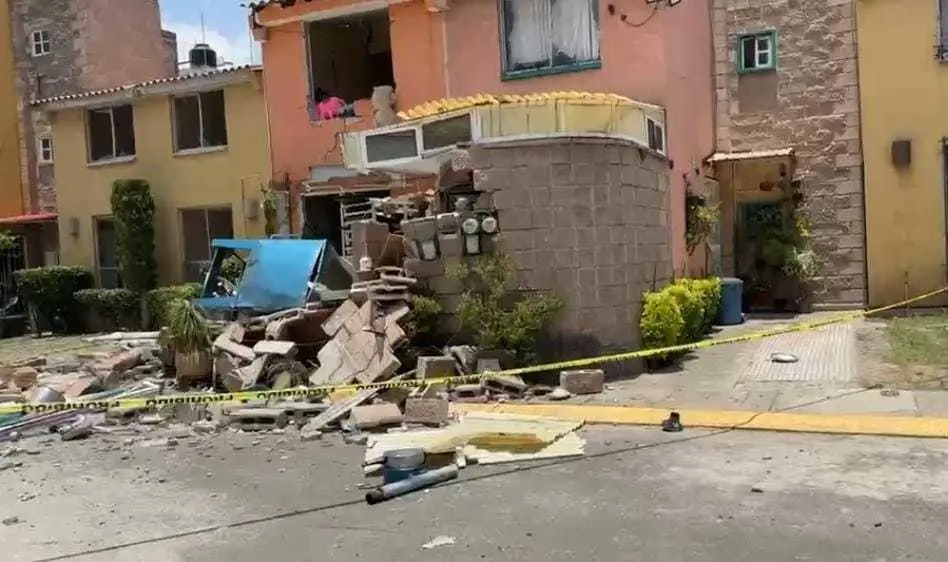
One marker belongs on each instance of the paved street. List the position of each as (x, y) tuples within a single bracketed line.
[(641, 495)]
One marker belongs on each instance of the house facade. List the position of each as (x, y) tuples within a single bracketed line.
[(199, 140), (429, 50), (58, 48), (788, 127), (905, 145)]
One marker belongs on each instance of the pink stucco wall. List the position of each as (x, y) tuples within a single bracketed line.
[(667, 61)]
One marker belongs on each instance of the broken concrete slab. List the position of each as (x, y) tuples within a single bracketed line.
[(508, 384), (275, 347), (376, 415), (583, 381), (224, 343)]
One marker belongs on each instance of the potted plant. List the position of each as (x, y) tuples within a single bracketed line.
[(189, 338)]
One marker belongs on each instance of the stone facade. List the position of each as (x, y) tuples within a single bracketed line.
[(93, 44), (585, 218), (809, 102)]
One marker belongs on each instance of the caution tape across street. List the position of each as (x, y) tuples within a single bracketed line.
[(325, 390)]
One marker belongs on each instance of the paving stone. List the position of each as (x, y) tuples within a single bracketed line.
[(824, 355), (376, 415), (429, 411)]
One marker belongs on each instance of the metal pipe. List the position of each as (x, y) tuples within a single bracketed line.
[(402, 487)]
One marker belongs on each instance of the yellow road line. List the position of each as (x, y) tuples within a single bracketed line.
[(845, 424)]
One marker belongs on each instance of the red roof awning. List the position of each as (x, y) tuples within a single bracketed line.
[(24, 219)]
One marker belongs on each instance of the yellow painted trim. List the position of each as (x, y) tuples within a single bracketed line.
[(849, 424)]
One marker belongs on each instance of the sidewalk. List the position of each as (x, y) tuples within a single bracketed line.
[(742, 377)]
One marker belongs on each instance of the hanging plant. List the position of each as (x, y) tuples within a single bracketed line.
[(700, 219)]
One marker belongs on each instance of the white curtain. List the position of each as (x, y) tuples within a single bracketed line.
[(575, 31), (529, 41)]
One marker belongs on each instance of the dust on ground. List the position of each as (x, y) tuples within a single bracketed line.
[(905, 352)]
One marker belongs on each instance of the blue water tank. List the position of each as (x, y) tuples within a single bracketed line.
[(731, 292)]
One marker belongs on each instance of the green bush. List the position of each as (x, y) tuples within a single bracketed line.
[(497, 316), (662, 322), (158, 301), (683, 312), (232, 269), (422, 321), (133, 210), (49, 293), (110, 309)]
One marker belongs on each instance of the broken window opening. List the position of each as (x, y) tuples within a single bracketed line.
[(111, 133), (200, 121), (348, 58), (199, 228)]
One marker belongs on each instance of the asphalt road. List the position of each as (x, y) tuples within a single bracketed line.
[(640, 495)]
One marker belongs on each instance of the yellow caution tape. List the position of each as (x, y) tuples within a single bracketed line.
[(325, 390)]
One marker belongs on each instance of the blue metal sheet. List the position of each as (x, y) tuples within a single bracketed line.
[(236, 244), (277, 274)]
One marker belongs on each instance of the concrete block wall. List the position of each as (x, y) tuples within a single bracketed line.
[(588, 219)]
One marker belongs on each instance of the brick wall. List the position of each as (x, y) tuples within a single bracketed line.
[(811, 102), (585, 218)]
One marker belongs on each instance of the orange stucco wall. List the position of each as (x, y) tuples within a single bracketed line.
[(666, 61)]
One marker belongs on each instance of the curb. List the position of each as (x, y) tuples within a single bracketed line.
[(841, 424)]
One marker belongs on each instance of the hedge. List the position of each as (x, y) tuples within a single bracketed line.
[(681, 313), (157, 301), (49, 294), (110, 309)]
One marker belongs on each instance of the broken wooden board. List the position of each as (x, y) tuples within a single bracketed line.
[(569, 445), (483, 430)]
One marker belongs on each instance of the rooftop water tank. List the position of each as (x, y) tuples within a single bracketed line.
[(202, 56)]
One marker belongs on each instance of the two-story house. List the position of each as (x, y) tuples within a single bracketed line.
[(788, 137), (658, 53), (199, 139), (52, 49), (905, 145)]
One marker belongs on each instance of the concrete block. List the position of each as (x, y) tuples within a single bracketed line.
[(338, 318), (428, 411), (25, 377), (258, 419), (424, 269), (585, 381), (435, 367), (487, 365), (468, 391), (376, 415), (512, 385)]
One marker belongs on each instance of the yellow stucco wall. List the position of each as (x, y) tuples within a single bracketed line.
[(904, 95), (10, 193), (209, 179)]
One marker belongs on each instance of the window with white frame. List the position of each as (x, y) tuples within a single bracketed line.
[(757, 51), (553, 35), (44, 149), (42, 45), (111, 133), (656, 135), (200, 121)]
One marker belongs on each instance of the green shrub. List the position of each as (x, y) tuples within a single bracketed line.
[(497, 316), (682, 312), (133, 210), (49, 293), (422, 321), (232, 269), (188, 332), (111, 309), (691, 305), (662, 322), (158, 301), (709, 290)]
